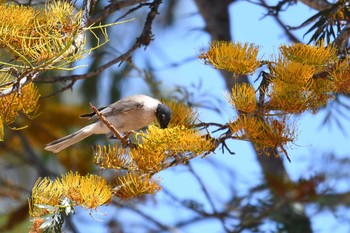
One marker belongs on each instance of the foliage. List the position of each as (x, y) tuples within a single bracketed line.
[(234, 57), (51, 199), (329, 22), (12, 105), (289, 86), (302, 78), (134, 184), (35, 37), (33, 40)]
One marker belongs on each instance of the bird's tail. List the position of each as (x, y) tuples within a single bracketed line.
[(62, 143)]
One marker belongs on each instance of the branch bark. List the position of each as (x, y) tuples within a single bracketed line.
[(318, 5), (113, 7)]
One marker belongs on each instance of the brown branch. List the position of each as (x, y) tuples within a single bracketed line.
[(274, 12), (149, 218), (110, 126), (134, 9), (144, 39), (319, 5), (341, 42), (221, 140), (69, 86), (146, 36), (205, 125), (113, 7), (205, 191), (99, 70)]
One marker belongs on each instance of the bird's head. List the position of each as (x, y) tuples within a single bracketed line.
[(163, 114)]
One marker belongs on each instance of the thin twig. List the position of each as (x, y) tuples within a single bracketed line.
[(69, 86), (144, 39), (112, 8), (109, 125), (149, 218)]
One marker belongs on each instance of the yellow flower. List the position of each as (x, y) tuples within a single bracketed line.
[(44, 192), (293, 73), (237, 58), (89, 191), (38, 35), (134, 184), (149, 160), (309, 54), (290, 90), (113, 157), (341, 77), (288, 98), (94, 191), (12, 104), (70, 184), (157, 145), (243, 98), (320, 93), (270, 133), (182, 115)]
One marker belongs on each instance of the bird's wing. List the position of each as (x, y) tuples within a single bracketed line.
[(120, 107), (91, 114)]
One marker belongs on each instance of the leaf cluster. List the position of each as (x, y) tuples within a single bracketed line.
[(89, 191), (237, 58), (302, 78), (33, 40), (51, 199), (37, 37), (264, 133), (14, 104), (329, 22)]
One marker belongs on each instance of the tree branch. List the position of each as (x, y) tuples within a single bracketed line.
[(275, 15), (149, 218), (144, 39), (109, 125), (318, 5), (113, 7), (342, 40)]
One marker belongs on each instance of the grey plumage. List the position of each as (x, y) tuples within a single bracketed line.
[(128, 114)]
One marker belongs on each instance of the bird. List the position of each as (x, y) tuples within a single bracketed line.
[(126, 115)]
